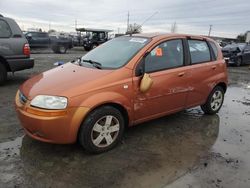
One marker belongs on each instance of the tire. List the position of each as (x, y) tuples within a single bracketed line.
[(211, 106), (102, 130), (87, 48), (3, 74), (62, 49), (239, 62), (94, 46)]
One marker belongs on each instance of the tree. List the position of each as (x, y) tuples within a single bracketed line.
[(51, 31), (134, 28), (241, 38)]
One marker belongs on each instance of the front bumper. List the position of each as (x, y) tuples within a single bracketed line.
[(20, 64), (60, 126)]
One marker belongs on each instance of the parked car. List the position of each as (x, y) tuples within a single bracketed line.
[(237, 54), (14, 49), (126, 81), (93, 37), (38, 39), (58, 42)]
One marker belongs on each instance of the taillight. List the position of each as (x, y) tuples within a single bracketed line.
[(26, 49)]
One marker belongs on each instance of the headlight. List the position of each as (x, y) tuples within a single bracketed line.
[(49, 102)]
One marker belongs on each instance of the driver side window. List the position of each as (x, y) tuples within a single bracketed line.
[(166, 55)]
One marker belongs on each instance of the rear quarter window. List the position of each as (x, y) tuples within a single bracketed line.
[(199, 51), (5, 31), (215, 49)]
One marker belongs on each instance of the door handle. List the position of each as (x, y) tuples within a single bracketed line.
[(213, 67), (181, 74)]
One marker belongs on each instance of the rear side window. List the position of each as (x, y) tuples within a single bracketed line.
[(5, 31), (215, 49), (199, 51), (42, 35)]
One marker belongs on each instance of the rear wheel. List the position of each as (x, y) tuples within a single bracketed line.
[(239, 62), (3, 74), (214, 101), (102, 130)]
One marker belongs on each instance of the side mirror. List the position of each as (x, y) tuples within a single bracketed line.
[(146, 83), (29, 36)]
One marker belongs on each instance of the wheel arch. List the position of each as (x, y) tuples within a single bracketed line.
[(5, 63), (223, 85), (118, 106)]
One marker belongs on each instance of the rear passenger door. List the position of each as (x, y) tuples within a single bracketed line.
[(203, 70), (11, 39), (5, 34)]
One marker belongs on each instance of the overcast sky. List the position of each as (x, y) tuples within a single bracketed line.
[(227, 17)]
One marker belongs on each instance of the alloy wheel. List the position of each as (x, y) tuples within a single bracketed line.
[(216, 100), (105, 131)]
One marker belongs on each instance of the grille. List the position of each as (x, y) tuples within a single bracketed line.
[(22, 98)]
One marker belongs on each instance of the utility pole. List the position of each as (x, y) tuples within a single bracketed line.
[(75, 23), (210, 29), (173, 27), (128, 22)]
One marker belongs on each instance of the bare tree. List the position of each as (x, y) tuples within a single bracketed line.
[(134, 28)]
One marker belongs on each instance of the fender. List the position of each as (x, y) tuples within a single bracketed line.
[(91, 102), (99, 99)]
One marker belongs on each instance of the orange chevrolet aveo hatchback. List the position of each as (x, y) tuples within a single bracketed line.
[(126, 81)]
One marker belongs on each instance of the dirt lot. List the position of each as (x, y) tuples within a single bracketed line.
[(187, 149)]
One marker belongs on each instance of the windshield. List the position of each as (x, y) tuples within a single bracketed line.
[(116, 52)]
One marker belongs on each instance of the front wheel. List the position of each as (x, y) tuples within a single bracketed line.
[(62, 49), (214, 101), (94, 46), (102, 130)]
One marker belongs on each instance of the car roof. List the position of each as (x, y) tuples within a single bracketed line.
[(36, 32), (93, 30), (168, 35)]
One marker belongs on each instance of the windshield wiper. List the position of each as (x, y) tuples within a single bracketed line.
[(94, 63)]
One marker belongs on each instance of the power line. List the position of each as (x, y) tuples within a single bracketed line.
[(149, 18)]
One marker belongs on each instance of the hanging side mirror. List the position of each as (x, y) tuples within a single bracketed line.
[(146, 83)]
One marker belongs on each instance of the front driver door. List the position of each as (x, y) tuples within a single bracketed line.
[(165, 65)]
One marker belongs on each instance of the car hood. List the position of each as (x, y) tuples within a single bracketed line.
[(62, 80), (232, 49)]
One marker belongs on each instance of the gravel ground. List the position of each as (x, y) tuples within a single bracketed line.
[(187, 149)]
